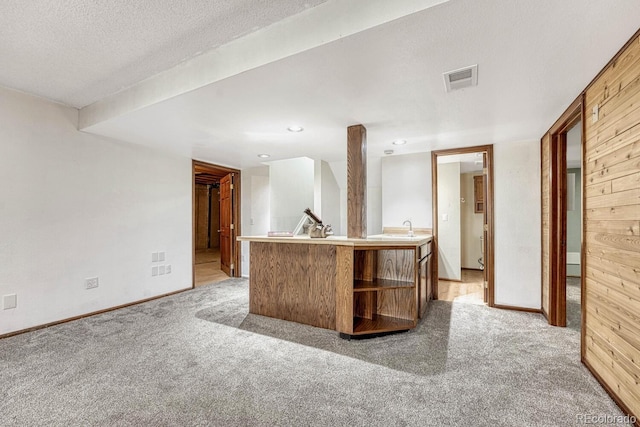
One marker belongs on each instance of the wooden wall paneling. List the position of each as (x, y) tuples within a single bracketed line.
[(614, 76), (615, 119), (626, 383), (598, 189), (356, 182), (620, 340), (602, 371), (621, 292), (611, 322), (344, 289), (614, 241), (629, 227), (629, 181), (597, 150), (629, 148), (202, 216)]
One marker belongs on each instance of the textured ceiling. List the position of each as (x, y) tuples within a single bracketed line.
[(534, 58), (363, 62), (77, 52)]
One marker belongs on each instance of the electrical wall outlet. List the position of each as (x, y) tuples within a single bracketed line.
[(91, 283), (154, 271), (9, 301), (167, 269)]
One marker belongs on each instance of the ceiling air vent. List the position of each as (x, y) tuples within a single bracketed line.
[(461, 78)]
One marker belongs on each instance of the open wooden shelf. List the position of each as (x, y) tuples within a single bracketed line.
[(379, 323), (380, 284)]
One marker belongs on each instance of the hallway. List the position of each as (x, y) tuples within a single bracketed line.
[(207, 267), (469, 291)]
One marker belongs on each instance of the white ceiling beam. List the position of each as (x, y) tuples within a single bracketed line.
[(315, 27)]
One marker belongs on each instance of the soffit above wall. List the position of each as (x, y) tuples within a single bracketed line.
[(77, 52)]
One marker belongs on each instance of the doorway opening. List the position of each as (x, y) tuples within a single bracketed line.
[(462, 188), (216, 210), (562, 150), (574, 226)]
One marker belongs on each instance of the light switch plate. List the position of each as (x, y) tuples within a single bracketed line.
[(9, 301), (154, 257), (160, 256), (154, 271), (161, 270)]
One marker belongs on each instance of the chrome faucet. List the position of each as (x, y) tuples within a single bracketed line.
[(410, 227)]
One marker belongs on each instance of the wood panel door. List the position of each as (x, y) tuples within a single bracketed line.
[(226, 224)]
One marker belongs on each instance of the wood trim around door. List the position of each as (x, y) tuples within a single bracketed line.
[(199, 166), (557, 315), (489, 206)]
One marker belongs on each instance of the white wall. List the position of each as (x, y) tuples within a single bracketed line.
[(470, 222), (517, 217), (374, 196), (291, 185), (517, 224), (449, 240), (406, 190), (75, 206), (255, 216), (327, 196)]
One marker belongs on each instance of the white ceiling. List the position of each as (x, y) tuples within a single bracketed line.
[(470, 162), (91, 49), (534, 58)]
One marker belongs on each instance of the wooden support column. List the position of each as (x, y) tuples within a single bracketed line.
[(357, 182)]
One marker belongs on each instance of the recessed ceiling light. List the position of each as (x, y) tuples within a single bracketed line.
[(387, 152), (399, 142), (264, 156), (295, 128)]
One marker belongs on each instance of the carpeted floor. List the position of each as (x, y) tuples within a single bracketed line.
[(199, 359), (573, 303)]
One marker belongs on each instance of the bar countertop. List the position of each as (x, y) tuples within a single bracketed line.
[(374, 240)]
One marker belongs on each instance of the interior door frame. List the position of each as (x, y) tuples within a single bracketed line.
[(488, 205), (197, 165), (557, 315)]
